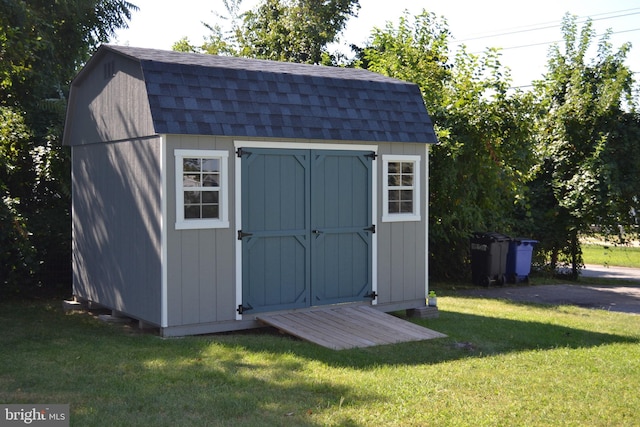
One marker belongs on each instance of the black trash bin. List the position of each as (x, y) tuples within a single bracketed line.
[(489, 258)]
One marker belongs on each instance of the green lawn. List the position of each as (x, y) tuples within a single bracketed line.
[(503, 364), (614, 255)]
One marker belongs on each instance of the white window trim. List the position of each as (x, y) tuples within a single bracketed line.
[(192, 224), (398, 217)]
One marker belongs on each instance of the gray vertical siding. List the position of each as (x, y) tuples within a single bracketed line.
[(200, 263), (402, 245), (117, 236), (117, 226), (108, 104)]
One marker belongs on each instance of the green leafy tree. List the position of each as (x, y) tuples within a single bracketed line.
[(17, 255), (588, 172), (415, 50), (295, 30), (42, 45), (484, 130), (281, 30)]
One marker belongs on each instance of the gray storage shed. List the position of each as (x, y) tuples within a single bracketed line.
[(209, 189)]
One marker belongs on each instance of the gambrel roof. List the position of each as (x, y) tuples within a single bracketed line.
[(200, 94)]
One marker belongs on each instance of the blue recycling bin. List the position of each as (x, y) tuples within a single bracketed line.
[(519, 259)]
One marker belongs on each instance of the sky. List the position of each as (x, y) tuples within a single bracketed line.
[(523, 30)]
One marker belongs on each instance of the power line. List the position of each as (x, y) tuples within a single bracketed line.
[(559, 41), (551, 24)]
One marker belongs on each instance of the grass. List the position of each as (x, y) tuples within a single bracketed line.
[(503, 364), (614, 255)]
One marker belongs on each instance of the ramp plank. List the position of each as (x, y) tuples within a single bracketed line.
[(343, 327)]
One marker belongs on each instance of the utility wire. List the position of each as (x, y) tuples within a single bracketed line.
[(548, 25), (559, 41)]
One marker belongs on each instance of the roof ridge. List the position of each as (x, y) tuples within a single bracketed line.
[(250, 64)]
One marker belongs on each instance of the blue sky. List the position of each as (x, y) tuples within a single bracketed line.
[(523, 30)]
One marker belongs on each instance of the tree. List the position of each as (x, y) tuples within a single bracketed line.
[(295, 30), (416, 51), (588, 172), (16, 248), (281, 30), (42, 45), (484, 130)]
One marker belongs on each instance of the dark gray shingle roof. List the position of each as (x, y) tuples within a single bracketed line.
[(217, 95)]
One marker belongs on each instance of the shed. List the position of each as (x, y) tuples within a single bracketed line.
[(209, 189)]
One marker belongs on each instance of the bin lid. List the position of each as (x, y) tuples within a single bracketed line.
[(490, 235), (524, 241)]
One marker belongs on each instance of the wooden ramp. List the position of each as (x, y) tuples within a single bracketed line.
[(342, 327)]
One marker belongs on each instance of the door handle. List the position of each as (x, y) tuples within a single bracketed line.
[(316, 232)]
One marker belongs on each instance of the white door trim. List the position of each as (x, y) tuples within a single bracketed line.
[(303, 146)]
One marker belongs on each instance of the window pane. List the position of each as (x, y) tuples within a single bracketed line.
[(393, 167), (191, 211), (394, 195), (191, 180), (210, 211), (191, 197), (406, 195), (407, 180), (211, 180), (406, 207), (191, 165), (210, 165), (407, 167), (394, 207), (393, 180), (210, 197)]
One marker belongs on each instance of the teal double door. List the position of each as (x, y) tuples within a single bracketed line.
[(306, 228)]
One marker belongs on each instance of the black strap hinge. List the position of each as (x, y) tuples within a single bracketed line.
[(373, 295), (241, 152), (373, 155), (371, 229), (242, 308), (241, 234)]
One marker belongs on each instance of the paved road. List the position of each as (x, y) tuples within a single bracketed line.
[(623, 298), (611, 272)]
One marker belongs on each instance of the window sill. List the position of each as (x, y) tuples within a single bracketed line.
[(198, 224), (401, 218)]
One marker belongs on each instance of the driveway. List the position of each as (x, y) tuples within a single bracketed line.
[(611, 272), (623, 298)]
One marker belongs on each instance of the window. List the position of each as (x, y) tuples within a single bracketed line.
[(201, 189), (401, 188)]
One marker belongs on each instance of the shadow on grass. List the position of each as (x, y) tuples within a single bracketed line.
[(111, 377), (468, 336)]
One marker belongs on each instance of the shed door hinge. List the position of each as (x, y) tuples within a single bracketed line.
[(241, 234), (242, 308), (373, 295), (373, 155), (371, 229), (241, 152)]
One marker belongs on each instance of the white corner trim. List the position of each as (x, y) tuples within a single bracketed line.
[(426, 225), (164, 310)]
